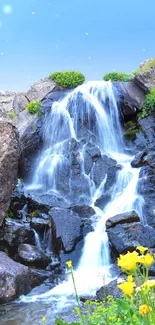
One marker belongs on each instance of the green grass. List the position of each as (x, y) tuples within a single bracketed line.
[(118, 76), (148, 66), (68, 79), (12, 114)]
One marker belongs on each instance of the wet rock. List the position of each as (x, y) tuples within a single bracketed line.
[(110, 289), (130, 98), (80, 190), (8, 164), (138, 160), (38, 223), (85, 212), (14, 279), (148, 127), (105, 166), (103, 200), (126, 217), (126, 237), (14, 233), (66, 227), (39, 276), (32, 256), (146, 80), (88, 163)]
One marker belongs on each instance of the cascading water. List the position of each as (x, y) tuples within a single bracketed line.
[(91, 109)]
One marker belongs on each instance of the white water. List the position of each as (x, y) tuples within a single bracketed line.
[(98, 110), (37, 239)]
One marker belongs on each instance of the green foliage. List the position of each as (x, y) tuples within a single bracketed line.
[(130, 124), (149, 104), (12, 114), (131, 134), (9, 214), (68, 79), (34, 214), (118, 76), (34, 108)]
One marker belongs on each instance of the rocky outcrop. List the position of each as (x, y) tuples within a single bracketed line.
[(41, 89), (130, 98), (6, 102), (32, 256), (146, 80), (126, 217), (8, 164), (14, 279), (127, 236)]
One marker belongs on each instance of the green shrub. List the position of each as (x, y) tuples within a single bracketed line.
[(118, 76), (149, 104), (12, 114), (34, 108), (68, 79)]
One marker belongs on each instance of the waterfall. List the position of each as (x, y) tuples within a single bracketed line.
[(90, 108), (37, 239)]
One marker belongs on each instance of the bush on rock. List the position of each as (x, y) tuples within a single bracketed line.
[(34, 108), (118, 76), (149, 104), (68, 79)]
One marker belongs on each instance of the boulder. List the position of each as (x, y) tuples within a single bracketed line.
[(138, 159), (146, 80), (14, 233), (105, 166), (14, 279), (110, 289), (32, 256), (66, 226), (126, 217), (130, 98), (41, 89), (8, 164), (127, 236)]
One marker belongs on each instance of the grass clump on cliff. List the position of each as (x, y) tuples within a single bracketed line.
[(147, 66), (12, 114), (68, 79), (118, 76), (34, 108), (149, 104)]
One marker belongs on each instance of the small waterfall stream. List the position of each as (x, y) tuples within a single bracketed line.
[(99, 111)]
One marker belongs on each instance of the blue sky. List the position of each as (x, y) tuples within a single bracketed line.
[(38, 37)]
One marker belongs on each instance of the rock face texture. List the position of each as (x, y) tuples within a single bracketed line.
[(146, 80), (14, 279), (8, 164), (6, 102), (41, 89)]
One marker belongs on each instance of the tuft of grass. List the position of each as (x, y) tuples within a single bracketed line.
[(118, 76), (149, 104), (34, 108), (147, 66), (68, 79), (12, 114)]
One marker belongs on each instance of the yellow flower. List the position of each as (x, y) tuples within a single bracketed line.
[(142, 249), (147, 260), (144, 310), (127, 288), (69, 264), (130, 278), (43, 319), (128, 261)]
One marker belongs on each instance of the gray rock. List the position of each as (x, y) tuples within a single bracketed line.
[(146, 80), (131, 98), (6, 102), (110, 289), (41, 89), (9, 155), (104, 166), (32, 256), (14, 233), (138, 159), (126, 237), (66, 226), (126, 217), (14, 279), (19, 103)]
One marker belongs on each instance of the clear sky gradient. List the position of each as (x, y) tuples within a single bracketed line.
[(38, 37)]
